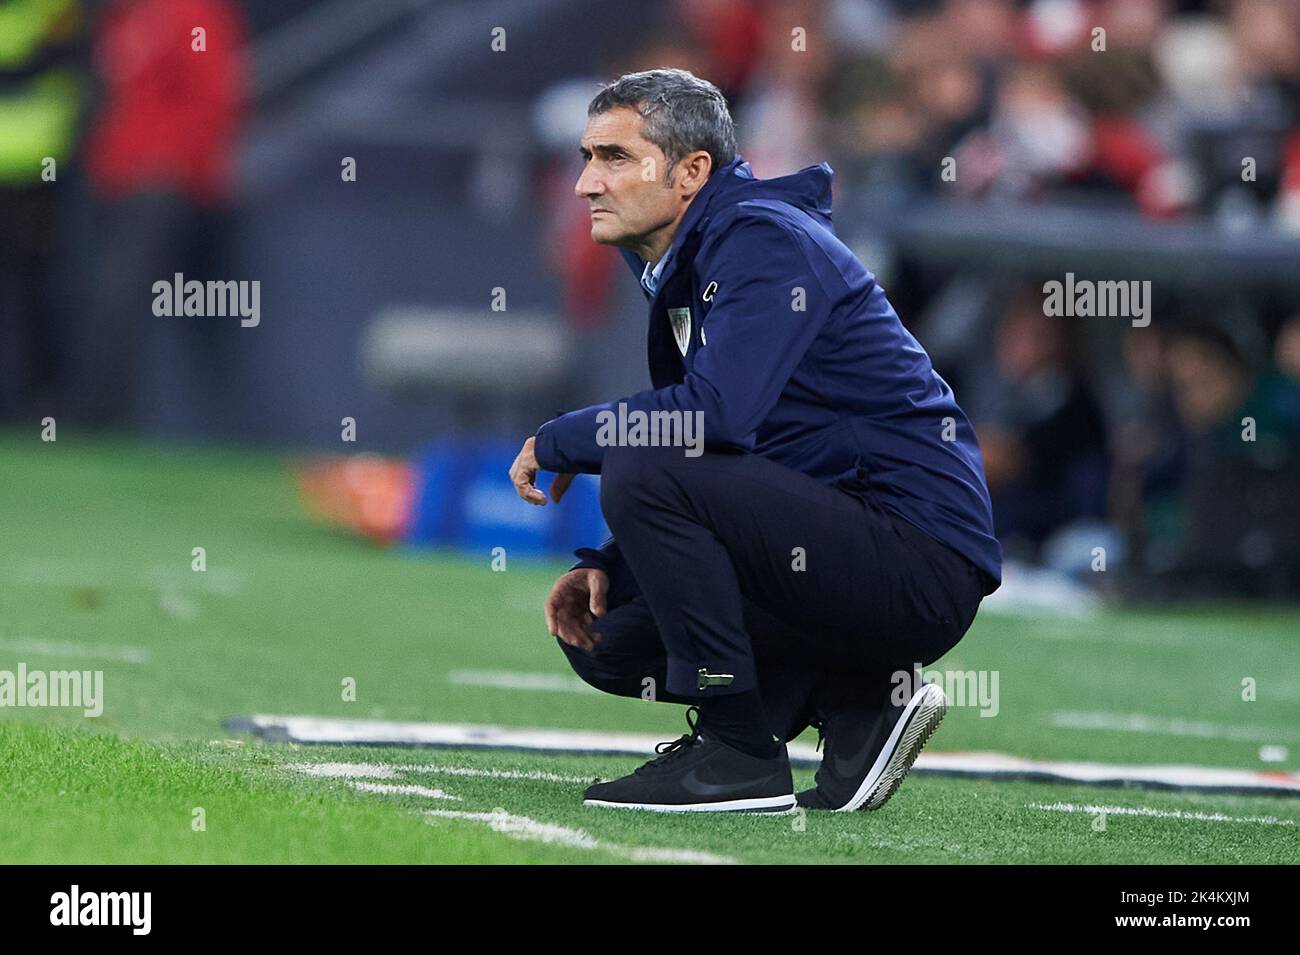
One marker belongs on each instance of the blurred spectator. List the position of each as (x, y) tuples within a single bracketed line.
[(1148, 440), (1287, 349), (778, 118), (730, 34), (1239, 532), (41, 92), (1040, 430), (1038, 138), (159, 155)]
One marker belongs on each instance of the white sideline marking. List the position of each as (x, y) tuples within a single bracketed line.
[(518, 680), (1190, 778), (384, 771), (345, 770), (381, 771), (1159, 813), (67, 648), (500, 773), (1033, 592), (530, 830), (177, 606), (1273, 754), (389, 789), (309, 729), (509, 824), (1164, 726)]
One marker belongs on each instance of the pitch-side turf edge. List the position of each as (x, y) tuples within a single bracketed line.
[(350, 732)]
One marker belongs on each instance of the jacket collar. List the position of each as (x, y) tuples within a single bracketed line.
[(690, 221)]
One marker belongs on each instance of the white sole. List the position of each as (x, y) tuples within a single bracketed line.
[(771, 804), (922, 715)]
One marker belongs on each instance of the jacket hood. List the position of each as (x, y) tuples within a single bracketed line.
[(808, 189)]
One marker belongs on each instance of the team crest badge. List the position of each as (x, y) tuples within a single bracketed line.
[(680, 318)]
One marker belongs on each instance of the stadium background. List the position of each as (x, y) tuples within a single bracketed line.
[(1173, 156)]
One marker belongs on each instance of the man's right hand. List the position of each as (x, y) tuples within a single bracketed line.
[(575, 601)]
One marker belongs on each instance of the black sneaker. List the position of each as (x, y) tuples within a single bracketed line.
[(870, 746), (695, 774)]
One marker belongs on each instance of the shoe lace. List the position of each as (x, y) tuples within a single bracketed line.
[(820, 725), (671, 749)]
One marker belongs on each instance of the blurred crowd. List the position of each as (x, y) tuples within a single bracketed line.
[(1146, 104), (119, 129), (1180, 464), (1174, 447), (1133, 449)]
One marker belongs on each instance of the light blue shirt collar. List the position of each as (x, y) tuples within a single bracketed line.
[(650, 277)]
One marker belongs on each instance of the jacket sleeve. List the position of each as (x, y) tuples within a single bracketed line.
[(768, 307), (604, 557)]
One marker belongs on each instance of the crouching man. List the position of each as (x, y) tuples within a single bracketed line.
[(836, 527)]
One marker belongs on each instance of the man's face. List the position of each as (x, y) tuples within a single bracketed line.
[(623, 180)]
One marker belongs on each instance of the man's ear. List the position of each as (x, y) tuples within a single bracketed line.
[(695, 169)]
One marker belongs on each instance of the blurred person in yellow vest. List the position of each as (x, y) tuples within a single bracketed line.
[(41, 99)]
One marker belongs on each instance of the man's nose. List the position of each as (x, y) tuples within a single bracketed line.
[(588, 184)]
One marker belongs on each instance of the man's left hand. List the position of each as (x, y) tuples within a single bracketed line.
[(523, 474)]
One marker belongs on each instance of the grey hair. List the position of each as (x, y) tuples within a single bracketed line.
[(682, 113)]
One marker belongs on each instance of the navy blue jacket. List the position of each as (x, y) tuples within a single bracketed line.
[(794, 353)]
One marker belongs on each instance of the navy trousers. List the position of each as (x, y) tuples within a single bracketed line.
[(737, 565)]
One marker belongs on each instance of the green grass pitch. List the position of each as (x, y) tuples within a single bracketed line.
[(96, 574)]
